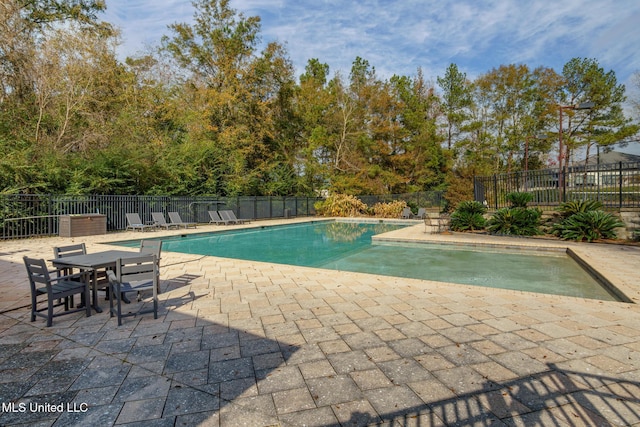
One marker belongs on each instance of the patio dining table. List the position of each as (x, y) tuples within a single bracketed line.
[(94, 262)]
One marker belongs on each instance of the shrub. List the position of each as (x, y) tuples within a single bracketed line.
[(471, 206), (342, 205), (572, 207), (389, 209), (519, 200), (468, 216), (589, 225), (516, 221), (467, 221)]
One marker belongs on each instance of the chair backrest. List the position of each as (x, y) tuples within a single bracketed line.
[(70, 250), (175, 218), (158, 217), (151, 247), (433, 211), (37, 271), (215, 216), (142, 268), (421, 212), (231, 214), (133, 219), (406, 213), (225, 215)]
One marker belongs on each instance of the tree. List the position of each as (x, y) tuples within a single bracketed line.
[(456, 101), (605, 123), (240, 97), (636, 100), (23, 24), (312, 104), (419, 158), (513, 105), (70, 71), (220, 45), (27, 101)]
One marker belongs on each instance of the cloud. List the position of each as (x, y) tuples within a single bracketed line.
[(397, 37), (143, 23)]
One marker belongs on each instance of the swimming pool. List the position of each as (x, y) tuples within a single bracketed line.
[(347, 246)]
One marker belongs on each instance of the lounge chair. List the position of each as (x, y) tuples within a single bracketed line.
[(135, 223), (230, 216), (422, 213), (160, 221), (406, 213), (215, 218), (175, 219)]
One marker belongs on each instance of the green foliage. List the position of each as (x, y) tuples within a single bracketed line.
[(515, 221), (467, 221), (457, 98), (589, 225), (389, 209), (218, 112), (468, 216), (459, 185), (573, 207), (605, 123), (472, 207), (342, 205), (519, 200)]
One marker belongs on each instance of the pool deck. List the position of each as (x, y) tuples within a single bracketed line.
[(257, 344)]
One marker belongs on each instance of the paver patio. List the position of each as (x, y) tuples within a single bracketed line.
[(241, 343)]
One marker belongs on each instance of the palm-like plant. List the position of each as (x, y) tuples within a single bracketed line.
[(572, 207), (519, 200), (468, 216), (589, 226), (467, 221), (515, 221)]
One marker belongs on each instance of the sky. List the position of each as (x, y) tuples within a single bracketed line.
[(401, 36)]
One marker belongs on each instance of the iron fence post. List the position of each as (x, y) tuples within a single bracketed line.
[(51, 229), (495, 190), (620, 185)]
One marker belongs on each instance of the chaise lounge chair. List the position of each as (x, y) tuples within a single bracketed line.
[(175, 219), (160, 221), (230, 216), (215, 218), (135, 223)]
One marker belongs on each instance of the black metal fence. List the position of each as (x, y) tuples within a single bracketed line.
[(24, 215), (422, 199), (615, 185)]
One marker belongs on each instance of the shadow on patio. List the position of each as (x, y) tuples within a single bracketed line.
[(555, 397)]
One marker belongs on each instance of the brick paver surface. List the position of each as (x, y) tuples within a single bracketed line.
[(241, 343)]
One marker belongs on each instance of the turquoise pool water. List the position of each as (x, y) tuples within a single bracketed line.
[(347, 246)]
